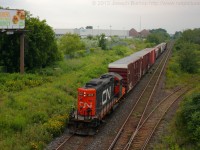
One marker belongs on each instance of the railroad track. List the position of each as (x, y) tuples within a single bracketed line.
[(140, 109), (140, 138), (71, 142), (59, 144)]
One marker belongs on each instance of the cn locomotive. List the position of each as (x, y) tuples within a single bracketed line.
[(99, 96)]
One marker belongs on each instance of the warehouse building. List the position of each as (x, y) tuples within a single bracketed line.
[(108, 32)]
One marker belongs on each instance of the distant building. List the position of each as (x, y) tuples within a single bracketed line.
[(133, 33), (108, 32), (61, 32), (93, 32), (144, 33)]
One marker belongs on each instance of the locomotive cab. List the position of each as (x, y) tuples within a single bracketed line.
[(119, 90)]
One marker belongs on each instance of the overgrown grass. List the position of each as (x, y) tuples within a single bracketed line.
[(16, 82), (175, 77), (34, 108)]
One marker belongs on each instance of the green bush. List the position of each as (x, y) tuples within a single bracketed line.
[(102, 42), (18, 123), (92, 50), (188, 58), (39, 117), (187, 47), (90, 43), (17, 82), (54, 127), (120, 50), (188, 121), (81, 53), (70, 43)]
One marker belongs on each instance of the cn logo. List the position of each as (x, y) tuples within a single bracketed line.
[(106, 95), (85, 105)]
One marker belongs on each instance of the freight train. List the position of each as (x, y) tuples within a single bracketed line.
[(99, 96)]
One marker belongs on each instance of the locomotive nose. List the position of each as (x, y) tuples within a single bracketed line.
[(86, 102)]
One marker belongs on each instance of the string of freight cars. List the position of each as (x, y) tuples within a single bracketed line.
[(99, 96)]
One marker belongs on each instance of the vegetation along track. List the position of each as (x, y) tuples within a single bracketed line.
[(141, 107)]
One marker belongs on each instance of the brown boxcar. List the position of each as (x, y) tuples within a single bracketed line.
[(132, 67), (152, 57), (159, 49), (129, 69)]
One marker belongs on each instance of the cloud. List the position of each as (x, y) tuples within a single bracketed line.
[(118, 13)]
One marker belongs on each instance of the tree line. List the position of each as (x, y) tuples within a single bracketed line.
[(158, 36), (187, 47), (185, 128)]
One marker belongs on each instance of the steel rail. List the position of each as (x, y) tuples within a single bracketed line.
[(155, 127), (157, 107), (138, 125), (63, 143)]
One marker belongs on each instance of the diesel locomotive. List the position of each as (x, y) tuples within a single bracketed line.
[(99, 96)]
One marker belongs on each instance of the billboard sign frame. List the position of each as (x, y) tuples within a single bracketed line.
[(12, 19)]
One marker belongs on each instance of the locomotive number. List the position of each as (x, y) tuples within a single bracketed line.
[(106, 95)]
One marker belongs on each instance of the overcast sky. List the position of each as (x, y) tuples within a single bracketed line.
[(172, 15)]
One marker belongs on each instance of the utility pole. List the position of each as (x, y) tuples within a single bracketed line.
[(140, 23), (110, 30), (22, 53), (140, 27)]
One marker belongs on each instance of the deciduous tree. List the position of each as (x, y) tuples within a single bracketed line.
[(188, 58), (102, 41), (70, 43), (188, 121), (157, 36), (41, 48), (188, 48)]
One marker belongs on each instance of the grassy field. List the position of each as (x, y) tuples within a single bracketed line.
[(34, 108)]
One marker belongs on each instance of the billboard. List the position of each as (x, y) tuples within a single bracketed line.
[(12, 19)]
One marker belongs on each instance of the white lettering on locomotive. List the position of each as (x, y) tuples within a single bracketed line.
[(106, 95), (85, 105)]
